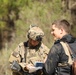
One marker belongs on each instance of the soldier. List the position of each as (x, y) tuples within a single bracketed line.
[(24, 57), (58, 62)]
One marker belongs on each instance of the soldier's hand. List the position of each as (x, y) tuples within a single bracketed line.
[(28, 67)]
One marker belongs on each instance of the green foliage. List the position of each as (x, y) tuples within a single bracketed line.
[(73, 32), (56, 6), (2, 25)]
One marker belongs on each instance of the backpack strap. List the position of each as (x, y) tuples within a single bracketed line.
[(68, 52)]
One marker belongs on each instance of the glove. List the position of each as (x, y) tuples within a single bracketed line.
[(15, 66)]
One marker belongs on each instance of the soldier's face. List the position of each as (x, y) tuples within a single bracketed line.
[(33, 42), (56, 32)]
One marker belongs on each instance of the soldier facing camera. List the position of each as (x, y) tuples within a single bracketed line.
[(27, 53)]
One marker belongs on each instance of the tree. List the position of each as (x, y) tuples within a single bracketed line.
[(9, 13)]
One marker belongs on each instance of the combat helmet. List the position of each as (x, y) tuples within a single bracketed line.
[(35, 33)]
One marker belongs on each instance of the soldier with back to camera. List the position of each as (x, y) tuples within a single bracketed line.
[(24, 57)]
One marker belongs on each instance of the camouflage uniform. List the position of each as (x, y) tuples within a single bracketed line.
[(24, 54)]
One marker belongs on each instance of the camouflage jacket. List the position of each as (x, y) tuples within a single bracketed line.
[(31, 55)]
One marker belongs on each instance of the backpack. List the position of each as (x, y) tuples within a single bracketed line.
[(72, 59)]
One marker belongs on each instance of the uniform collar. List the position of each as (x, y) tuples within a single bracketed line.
[(32, 47), (67, 38)]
